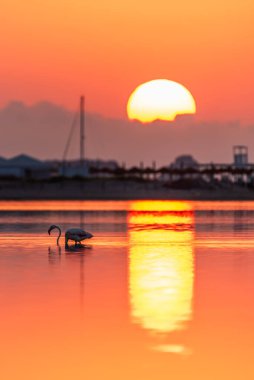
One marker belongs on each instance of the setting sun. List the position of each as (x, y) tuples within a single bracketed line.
[(160, 99)]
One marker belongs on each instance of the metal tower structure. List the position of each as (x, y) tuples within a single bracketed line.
[(82, 131), (240, 153)]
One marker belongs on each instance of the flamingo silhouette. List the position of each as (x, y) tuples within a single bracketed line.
[(75, 234)]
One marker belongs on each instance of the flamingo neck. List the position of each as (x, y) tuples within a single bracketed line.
[(60, 233)]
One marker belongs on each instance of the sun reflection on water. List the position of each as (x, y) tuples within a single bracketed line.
[(161, 265)]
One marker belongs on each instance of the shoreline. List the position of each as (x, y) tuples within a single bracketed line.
[(108, 189)]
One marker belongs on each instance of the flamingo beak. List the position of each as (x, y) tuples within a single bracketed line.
[(49, 230)]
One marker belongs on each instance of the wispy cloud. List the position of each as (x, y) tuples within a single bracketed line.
[(42, 131)]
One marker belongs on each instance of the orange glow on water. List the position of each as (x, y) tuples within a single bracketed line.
[(172, 294), (161, 268), (76, 205), (160, 206)]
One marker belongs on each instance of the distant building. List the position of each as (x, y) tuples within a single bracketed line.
[(103, 168), (3, 161), (184, 162), (71, 169), (103, 164), (24, 166)]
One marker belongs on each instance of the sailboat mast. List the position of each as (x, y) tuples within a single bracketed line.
[(82, 131)]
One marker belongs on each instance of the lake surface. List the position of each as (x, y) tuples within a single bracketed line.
[(164, 290)]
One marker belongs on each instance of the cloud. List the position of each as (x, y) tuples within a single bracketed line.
[(42, 130)]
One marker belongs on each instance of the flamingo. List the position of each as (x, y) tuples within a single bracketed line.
[(75, 234)]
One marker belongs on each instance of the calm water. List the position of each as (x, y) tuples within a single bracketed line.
[(164, 290)]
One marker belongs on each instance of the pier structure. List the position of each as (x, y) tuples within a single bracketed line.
[(209, 172)]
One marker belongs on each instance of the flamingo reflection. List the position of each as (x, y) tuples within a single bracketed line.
[(54, 254)]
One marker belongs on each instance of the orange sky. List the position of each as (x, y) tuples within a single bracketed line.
[(54, 50)]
